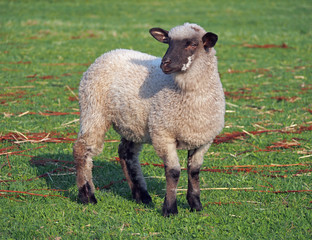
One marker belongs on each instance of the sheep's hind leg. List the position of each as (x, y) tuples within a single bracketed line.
[(129, 160), (84, 149), (195, 160)]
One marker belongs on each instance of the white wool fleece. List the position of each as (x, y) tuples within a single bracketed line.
[(143, 103), (186, 30)]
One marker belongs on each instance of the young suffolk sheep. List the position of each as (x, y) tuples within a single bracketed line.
[(179, 105)]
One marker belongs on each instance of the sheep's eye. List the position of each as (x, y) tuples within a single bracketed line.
[(188, 43), (191, 44)]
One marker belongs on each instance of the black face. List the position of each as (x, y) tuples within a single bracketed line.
[(181, 53)]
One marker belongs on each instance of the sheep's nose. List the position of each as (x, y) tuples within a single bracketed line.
[(166, 62)]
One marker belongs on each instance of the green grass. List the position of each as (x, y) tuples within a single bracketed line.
[(45, 46)]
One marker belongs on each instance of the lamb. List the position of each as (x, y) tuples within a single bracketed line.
[(179, 105)]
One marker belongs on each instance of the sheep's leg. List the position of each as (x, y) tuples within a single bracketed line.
[(172, 171), (195, 160), (84, 149), (170, 203), (129, 160)]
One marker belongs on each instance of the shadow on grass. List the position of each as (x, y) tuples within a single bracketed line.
[(60, 174)]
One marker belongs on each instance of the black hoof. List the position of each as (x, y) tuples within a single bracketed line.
[(85, 195), (194, 202), (169, 210), (141, 196)]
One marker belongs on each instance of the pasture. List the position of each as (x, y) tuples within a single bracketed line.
[(256, 179)]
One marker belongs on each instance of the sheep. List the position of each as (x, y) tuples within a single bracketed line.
[(179, 105)]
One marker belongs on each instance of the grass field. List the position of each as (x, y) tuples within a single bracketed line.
[(256, 179)]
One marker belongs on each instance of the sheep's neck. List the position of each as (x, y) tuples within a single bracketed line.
[(201, 77)]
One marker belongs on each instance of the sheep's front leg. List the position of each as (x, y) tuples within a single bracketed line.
[(172, 179), (195, 160), (129, 160), (172, 171)]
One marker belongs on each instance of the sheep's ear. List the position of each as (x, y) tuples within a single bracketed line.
[(160, 34), (209, 40)]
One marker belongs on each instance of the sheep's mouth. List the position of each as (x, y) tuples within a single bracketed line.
[(169, 70)]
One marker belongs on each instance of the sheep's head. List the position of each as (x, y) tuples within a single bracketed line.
[(184, 44)]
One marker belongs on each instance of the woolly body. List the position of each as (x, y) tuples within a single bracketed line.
[(128, 89)]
